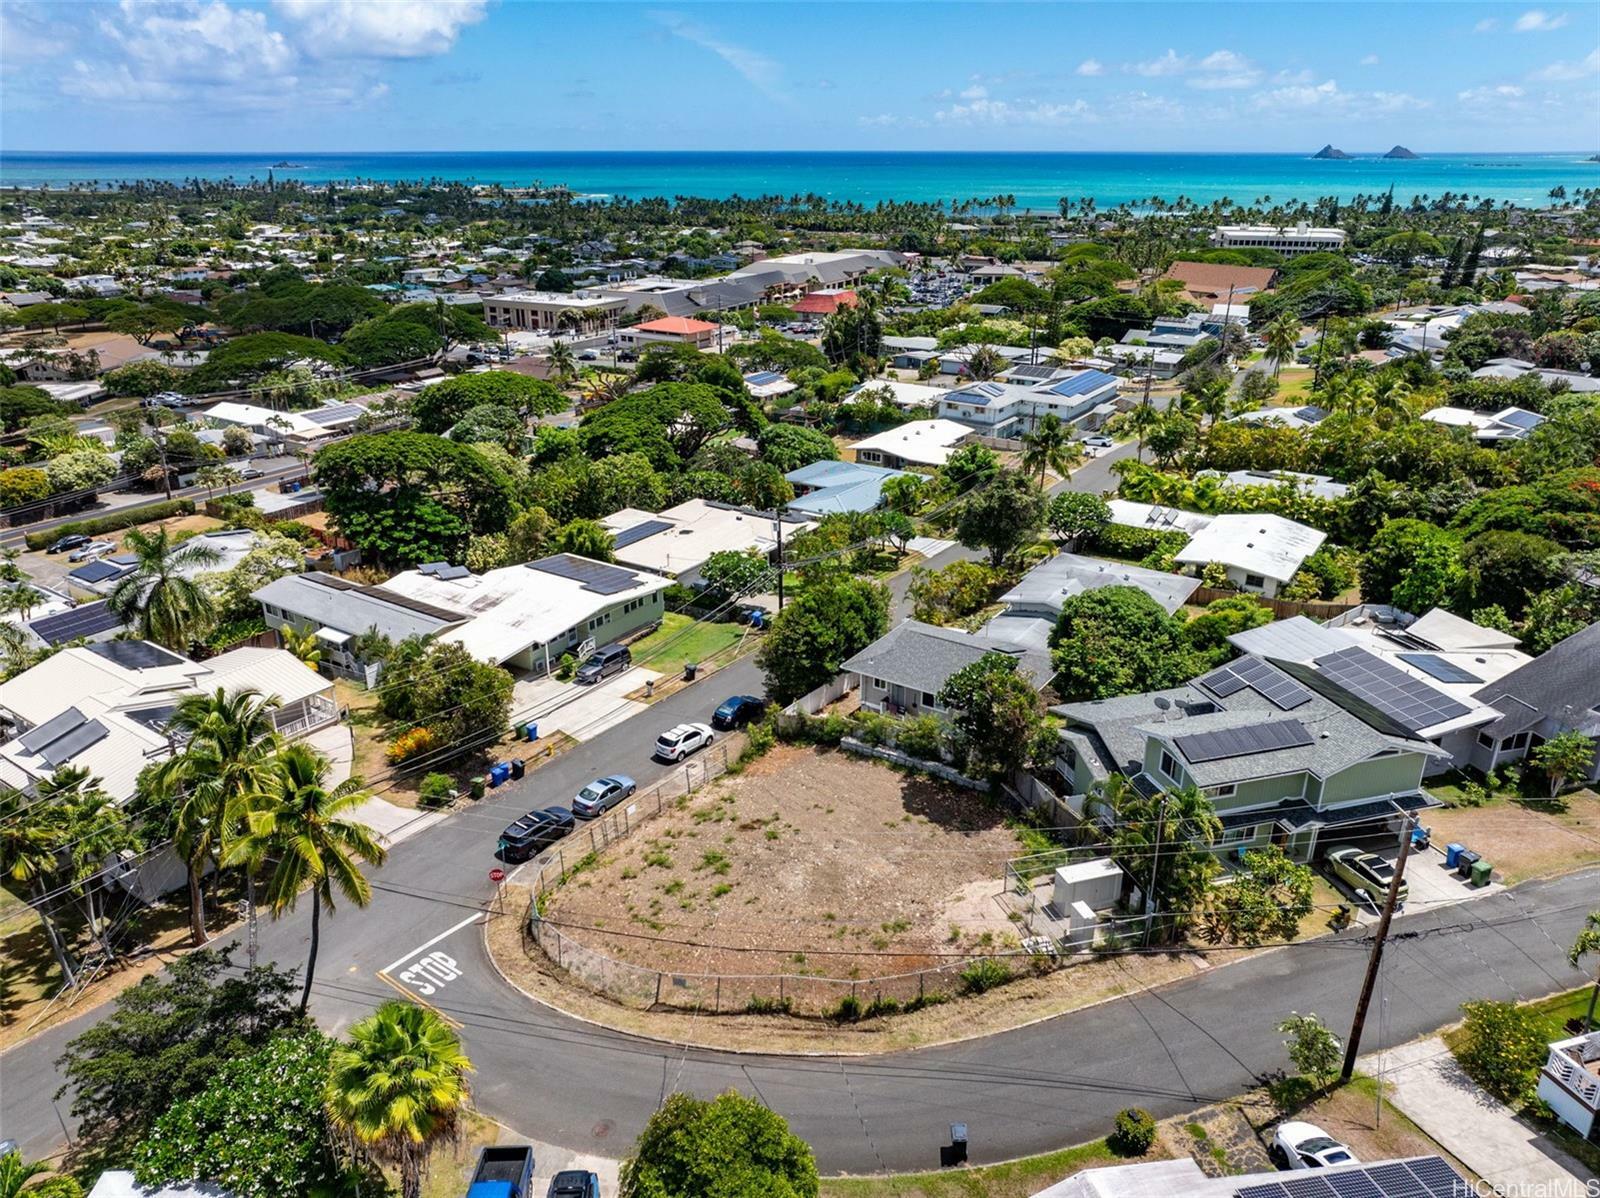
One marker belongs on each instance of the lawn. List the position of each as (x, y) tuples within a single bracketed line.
[(680, 639), (1523, 838), (1014, 1179), (1294, 384)]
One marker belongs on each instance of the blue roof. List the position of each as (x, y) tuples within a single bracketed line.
[(762, 377), (1083, 383), (831, 473), (848, 497)]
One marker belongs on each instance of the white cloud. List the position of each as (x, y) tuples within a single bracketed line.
[(1563, 72), (1487, 25), (984, 111), (27, 36), (1225, 70), (761, 72), (1504, 91), (391, 29), (1301, 96), (1536, 20), (976, 92), (1091, 67), (1304, 75), (1328, 96), (1370, 60), (1169, 63)]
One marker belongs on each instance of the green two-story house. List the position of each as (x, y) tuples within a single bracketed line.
[(1285, 758)]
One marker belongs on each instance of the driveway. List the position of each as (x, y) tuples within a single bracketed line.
[(582, 712), (1481, 1132), (1432, 885)]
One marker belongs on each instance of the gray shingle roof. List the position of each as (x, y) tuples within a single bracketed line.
[(352, 608), (1561, 684), (924, 656), (1050, 583)]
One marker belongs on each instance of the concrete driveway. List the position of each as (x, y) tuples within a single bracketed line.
[(1425, 1082), (1432, 885), (581, 712)]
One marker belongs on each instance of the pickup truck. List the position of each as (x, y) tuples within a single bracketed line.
[(504, 1172)]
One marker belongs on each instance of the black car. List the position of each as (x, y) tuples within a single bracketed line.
[(737, 711), (574, 1183), (534, 831), (71, 541)]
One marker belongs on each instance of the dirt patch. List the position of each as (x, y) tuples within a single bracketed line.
[(1525, 838), (810, 863)]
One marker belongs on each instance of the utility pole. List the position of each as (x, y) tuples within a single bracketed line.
[(1155, 866), (777, 523), (1353, 1046)]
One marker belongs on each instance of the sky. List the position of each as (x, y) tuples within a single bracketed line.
[(387, 75)]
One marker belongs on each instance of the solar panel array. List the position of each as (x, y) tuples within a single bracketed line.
[(1224, 743), (1425, 1177), (595, 576), (52, 729), (1410, 702), (333, 413), (135, 655), (89, 620), (98, 571), (1438, 667), (1082, 384), (639, 532), (1282, 692), (762, 377), (59, 752)]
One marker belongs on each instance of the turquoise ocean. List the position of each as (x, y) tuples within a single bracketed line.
[(1037, 179)]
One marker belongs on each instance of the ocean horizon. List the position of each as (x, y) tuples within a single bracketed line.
[(1037, 179)]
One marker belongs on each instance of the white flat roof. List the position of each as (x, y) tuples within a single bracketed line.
[(1257, 542), (926, 442), (516, 607), (692, 532)]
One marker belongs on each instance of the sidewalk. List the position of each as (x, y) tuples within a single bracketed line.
[(1425, 1083)]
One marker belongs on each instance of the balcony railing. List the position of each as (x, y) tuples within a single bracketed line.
[(1565, 1066)]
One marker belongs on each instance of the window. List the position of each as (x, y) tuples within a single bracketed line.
[(1226, 791), (1254, 580), (879, 684), (1237, 835), (929, 699), (1067, 756), (1486, 740), (1169, 767)]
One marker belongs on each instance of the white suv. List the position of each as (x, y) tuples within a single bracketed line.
[(1307, 1146), (677, 743)]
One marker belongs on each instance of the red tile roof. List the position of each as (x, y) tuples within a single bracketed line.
[(825, 303), (1214, 278), (679, 326)]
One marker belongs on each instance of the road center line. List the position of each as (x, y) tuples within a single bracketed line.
[(399, 961)]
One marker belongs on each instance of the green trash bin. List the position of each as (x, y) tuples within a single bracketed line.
[(475, 787), (521, 731), (1481, 872)]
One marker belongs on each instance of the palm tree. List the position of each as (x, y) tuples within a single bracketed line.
[(226, 765), (398, 1087), (301, 823), (1281, 336), (159, 597), (14, 1174), (1142, 420), (1588, 941), (1050, 447), (303, 644), (32, 833), (563, 366)]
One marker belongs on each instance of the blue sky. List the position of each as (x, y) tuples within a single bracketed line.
[(222, 75)]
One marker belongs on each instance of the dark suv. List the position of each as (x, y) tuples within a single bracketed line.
[(604, 662), (737, 711), (574, 1183), (534, 831)]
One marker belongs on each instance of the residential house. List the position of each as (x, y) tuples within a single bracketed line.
[(915, 443), (339, 611), (829, 487), (903, 671), (1143, 360), (768, 384), (1009, 409), (1516, 368), (1569, 1083), (526, 617), (1290, 242), (1307, 416), (905, 396), (1557, 691), (1319, 486), (1156, 517), (1488, 428), (1260, 551), (676, 542), (104, 707), (1207, 282), (97, 579), (1414, 1177), (307, 427), (1286, 759)]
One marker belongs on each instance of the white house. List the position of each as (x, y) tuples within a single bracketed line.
[(678, 541), (304, 427), (1008, 409), (1261, 551), (916, 443), (1488, 428)]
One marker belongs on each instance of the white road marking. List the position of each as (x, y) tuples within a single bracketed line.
[(399, 961), (431, 973)]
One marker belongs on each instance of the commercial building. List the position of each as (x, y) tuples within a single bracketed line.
[(548, 311), (675, 330), (1289, 241)]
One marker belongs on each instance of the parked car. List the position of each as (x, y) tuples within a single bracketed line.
[(677, 743), (70, 541), (574, 1183), (737, 711), (252, 472), (601, 795), (503, 1172), (603, 662), (1307, 1146), (535, 831), (90, 551), (1361, 870), (1099, 442), (588, 355)]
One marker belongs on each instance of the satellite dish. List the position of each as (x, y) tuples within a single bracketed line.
[(1163, 705)]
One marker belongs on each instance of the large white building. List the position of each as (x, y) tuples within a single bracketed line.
[(550, 310), (676, 542), (1289, 241), (1008, 410)]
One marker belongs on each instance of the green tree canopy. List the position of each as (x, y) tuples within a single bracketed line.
[(730, 1147), (1118, 641), (791, 446), (832, 620), (996, 713), (1001, 516), (1412, 564), (438, 407), (667, 423)]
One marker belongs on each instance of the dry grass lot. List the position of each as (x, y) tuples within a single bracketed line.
[(808, 863), (1525, 838)]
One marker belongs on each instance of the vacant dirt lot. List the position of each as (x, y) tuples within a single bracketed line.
[(810, 863), (1525, 838)]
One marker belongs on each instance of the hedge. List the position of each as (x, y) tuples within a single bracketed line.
[(115, 522)]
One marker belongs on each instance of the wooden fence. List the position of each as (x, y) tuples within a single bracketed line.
[(1282, 609)]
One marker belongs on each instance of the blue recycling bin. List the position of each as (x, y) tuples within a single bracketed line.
[(533, 731), (1452, 855), (499, 773)]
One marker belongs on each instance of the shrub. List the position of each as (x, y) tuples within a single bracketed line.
[(1137, 544), (881, 1006), (921, 736), (873, 727), (1502, 1047), (566, 667), (984, 974), (413, 742), (435, 790), (769, 1006), (126, 518), (848, 1010), (1134, 1132)]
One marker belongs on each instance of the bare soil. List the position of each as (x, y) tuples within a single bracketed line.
[(811, 863), (1525, 838)]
